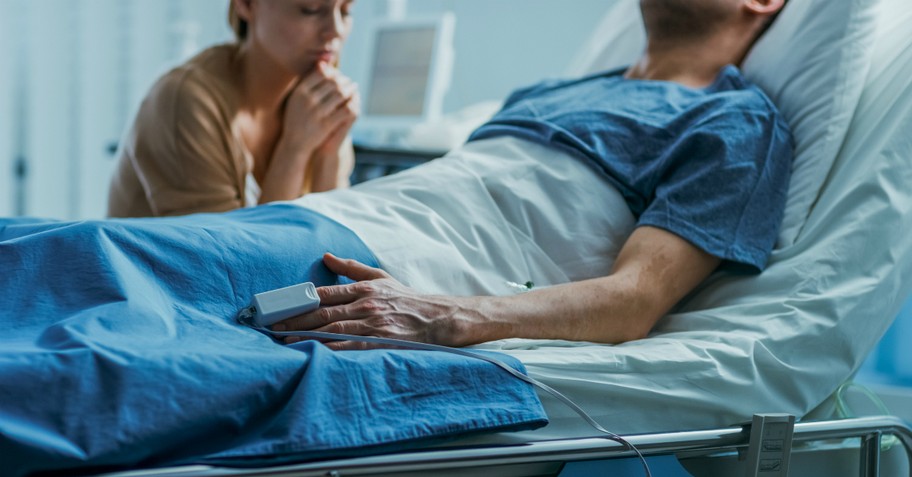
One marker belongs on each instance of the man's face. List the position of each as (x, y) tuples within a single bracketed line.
[(686, 18)]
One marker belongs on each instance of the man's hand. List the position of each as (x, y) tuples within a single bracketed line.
[(377, 305), (654, 271)]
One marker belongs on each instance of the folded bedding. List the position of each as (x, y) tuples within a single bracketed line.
[(120, 349)]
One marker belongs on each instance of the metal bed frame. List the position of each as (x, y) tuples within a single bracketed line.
[(376, 162), (861, 437)]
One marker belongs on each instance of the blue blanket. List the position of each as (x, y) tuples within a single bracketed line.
[(119, 348)]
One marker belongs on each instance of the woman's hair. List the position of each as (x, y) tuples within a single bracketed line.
[(237, 24)]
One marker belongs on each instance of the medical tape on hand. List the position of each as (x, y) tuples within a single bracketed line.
[(320, 335)]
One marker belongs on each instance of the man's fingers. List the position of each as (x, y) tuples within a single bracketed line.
[(338, 304), (341, 327), (349, 346), (337, 295), (352, 269), (310, 321), (343, 306)]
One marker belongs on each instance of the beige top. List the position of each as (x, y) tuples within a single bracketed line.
[(184, 153)]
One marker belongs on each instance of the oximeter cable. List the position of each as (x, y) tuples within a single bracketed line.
[(245, 317)]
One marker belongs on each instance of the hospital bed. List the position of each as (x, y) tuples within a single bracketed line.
[(851, 447), (783, 341)]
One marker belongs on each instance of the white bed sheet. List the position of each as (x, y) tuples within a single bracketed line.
[(494, 211)]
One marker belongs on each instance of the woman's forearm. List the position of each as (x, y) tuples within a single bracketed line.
[(332, 171), (285, 174), (290, 164)]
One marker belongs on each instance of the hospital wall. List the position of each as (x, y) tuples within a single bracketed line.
[(73, 72), (500, 44)]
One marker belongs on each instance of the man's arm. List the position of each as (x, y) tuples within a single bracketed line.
[(654, 271)]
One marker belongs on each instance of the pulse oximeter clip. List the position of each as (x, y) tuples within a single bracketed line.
[(271, 307)]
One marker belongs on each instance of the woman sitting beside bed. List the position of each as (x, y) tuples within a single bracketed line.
[(265, 118)]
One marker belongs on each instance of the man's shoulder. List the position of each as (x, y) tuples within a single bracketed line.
[(738, 94)]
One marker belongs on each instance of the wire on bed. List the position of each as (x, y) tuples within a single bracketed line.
[(244, 318)]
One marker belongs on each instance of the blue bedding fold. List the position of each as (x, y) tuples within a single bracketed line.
[(119, 348)]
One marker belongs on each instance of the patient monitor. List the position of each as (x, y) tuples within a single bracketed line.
[(409, 74)]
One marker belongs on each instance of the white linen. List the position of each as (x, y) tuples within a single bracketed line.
[(817, 85), (494, 211)]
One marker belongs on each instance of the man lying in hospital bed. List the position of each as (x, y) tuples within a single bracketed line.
[(498, 229), (670, 167)]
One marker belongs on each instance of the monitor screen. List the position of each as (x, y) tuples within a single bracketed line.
[(409, 67), (403, 57)]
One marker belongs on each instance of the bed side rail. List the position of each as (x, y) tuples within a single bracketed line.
[(547, 457), (870, 430)]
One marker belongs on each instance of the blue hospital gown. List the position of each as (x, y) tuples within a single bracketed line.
[(710, 165)]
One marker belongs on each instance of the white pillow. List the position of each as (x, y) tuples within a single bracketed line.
[(812, 63), (816, 85)]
